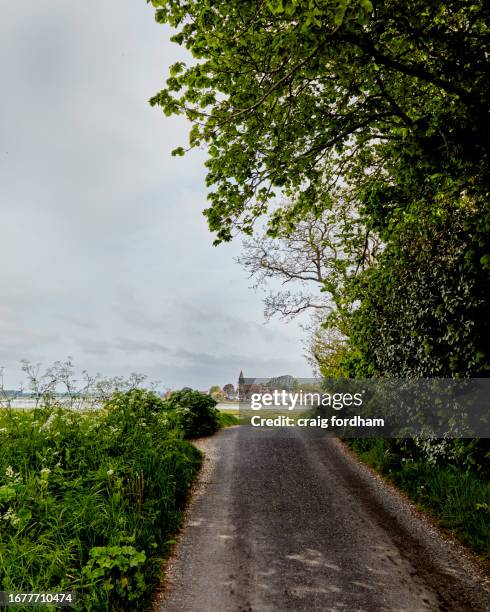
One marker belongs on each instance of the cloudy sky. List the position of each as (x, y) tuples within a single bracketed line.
[(105, 255)]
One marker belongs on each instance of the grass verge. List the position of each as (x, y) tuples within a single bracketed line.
[(227, 419), (89, 501), (457, 498)]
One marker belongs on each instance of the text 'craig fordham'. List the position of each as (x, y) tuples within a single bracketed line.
[(321, 422)]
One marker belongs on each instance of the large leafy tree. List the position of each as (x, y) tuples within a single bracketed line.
[(285, 93), (388, 97)]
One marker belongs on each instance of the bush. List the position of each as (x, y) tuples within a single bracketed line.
[(197, 413)]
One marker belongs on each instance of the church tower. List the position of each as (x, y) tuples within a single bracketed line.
[(241, 386)]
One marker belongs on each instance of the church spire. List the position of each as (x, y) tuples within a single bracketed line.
[(241, 386)]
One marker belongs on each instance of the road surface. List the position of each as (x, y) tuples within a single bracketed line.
[(290, 521)]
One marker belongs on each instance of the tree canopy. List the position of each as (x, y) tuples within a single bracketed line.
[(382, 104), (287, 94)]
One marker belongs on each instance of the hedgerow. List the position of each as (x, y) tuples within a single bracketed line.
[(89, 500)]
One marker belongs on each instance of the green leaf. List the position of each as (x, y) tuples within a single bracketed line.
[(367, 5), (7, 493), (485, 261), (179, 151)]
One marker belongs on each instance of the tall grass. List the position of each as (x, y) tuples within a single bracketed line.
[(227, 419), (88, 502), (457, 497)]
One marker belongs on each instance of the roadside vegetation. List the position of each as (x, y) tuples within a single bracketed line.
[(454, 487), (90, 500), (228, 419)]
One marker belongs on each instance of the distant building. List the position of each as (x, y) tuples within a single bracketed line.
[(247, 386)]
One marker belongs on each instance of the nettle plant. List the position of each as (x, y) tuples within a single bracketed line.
[(118, 569)]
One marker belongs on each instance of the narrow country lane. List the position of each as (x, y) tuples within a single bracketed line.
[(289, 521)]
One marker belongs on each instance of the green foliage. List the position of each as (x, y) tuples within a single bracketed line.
[(424, 306), (277, 88), (390, 97), (118, 570), (226, 419), (196, 412), (459, 498), (88, 500), (217, 393)]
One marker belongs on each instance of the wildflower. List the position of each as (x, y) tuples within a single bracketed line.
[(47, 424), (10, 516), (110, 472), (12, 475), (45, 473), (7, 515)]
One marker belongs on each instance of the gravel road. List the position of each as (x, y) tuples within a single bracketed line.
[(290, 521)]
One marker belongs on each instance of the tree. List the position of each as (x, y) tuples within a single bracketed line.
[(229, 391), (288, 94), (389, 98), (314, 258), (217, 393)]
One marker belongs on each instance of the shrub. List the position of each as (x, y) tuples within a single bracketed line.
[(197, 412)]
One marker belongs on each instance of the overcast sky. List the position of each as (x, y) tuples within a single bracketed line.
[(105, 255)]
